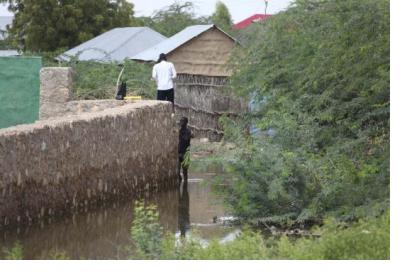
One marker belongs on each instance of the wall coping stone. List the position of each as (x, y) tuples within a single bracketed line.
[(55, 122)]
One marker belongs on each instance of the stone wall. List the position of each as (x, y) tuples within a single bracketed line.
[(61, 165), (57, 95), (78, 107)]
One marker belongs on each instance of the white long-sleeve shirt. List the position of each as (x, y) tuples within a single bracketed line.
[(163, 73)]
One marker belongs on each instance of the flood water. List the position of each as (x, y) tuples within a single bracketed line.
[(104, 233)]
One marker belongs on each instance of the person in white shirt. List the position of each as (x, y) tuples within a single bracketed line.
[(164, 73)]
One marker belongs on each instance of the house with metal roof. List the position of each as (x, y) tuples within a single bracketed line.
[(4, 22), (115, 45), (251, 20), (200, 54)]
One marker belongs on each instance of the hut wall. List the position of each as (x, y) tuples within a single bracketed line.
[(208, 94), (204, 100), (201, 92), (202, 125)]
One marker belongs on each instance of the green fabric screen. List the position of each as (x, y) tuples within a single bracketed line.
[(19, 90)]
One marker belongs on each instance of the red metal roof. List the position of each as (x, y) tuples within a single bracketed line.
[(246, 22)]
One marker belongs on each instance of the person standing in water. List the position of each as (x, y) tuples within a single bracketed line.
[(163, 73), (185, 136)]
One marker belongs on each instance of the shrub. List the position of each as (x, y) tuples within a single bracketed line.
[(365, 240), (318, 77)]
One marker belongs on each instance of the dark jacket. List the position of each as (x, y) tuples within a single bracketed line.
[(185, 136)]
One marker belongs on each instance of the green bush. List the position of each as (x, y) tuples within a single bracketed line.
[(365, 240), (95, 80), (318, 75)]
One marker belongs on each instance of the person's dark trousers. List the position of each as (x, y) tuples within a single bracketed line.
[(166, 95)]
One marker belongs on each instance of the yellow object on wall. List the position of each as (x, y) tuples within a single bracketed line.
[(133, 98)]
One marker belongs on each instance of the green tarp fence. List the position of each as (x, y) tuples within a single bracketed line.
[(19, 90)]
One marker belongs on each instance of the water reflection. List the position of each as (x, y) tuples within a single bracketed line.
[(100, 234), (183, 213), (104, 233)]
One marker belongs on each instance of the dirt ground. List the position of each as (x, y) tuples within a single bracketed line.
[(201, 149)]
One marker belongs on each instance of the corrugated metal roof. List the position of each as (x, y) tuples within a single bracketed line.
[(174, 42), (5, 53), (250, 20), (115, 45)]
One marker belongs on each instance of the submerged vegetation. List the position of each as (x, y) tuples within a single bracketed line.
[(16, 252), (365, 239)]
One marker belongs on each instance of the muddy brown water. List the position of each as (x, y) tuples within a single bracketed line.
[(104, 233)]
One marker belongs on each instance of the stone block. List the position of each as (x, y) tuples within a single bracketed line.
[(56, 89)]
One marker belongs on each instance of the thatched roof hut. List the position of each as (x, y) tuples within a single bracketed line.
[(200, 54), (196, 50)]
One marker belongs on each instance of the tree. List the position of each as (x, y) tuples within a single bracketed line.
[(5, 42), (172, 19), (221, 17), (47, 25)]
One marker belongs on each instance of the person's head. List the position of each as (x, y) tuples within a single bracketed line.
[(162, 57), (183, 122)]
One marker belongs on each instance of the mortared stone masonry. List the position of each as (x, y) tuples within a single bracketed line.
[(75, 162)]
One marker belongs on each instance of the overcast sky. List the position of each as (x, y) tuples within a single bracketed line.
[(240, 9)]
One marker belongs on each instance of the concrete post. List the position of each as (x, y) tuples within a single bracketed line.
[(56, 89)]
